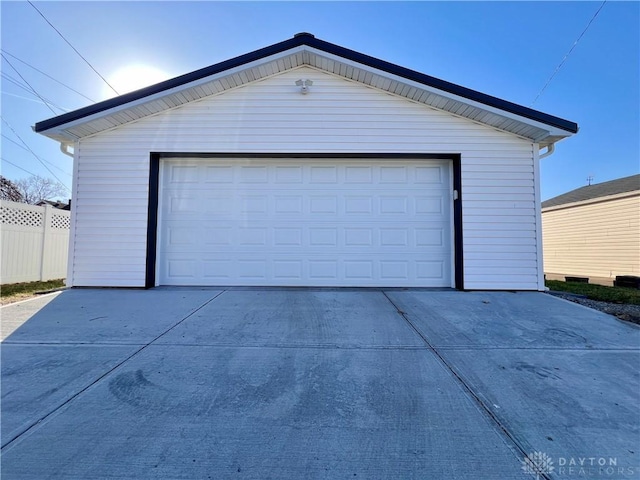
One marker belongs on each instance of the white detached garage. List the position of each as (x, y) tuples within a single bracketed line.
[(306, 164)]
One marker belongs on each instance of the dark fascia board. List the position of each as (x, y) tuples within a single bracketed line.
[(309, 40)]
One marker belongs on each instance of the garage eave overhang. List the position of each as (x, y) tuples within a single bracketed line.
[(306, 50)]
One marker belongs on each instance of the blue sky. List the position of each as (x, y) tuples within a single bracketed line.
[(505, 49)]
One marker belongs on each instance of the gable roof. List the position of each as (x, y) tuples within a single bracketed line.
[(591, 192), (305, 49)]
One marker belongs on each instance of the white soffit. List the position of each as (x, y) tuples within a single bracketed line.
[(307, 56)]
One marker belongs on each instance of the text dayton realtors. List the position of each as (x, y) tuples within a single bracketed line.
[(593, 466)]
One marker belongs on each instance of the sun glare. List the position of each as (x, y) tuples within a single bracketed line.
[(133, 77)]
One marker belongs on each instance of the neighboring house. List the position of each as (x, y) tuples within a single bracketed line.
[(593, 232), (305, 163), (55, 204)]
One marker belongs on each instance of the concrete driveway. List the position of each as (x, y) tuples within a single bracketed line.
[(318, 383)]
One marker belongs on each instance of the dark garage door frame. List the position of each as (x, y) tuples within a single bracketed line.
[(154, 177)]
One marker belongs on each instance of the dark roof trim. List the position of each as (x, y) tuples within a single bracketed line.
[(308, 39)]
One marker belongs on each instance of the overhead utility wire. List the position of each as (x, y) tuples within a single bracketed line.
[(34, 153), (25, 149), (18, 166), (48, 76), (13, 141), (34, 100), (74, 48), (30, 151), (18, 84), (568, 53), (25, 81)]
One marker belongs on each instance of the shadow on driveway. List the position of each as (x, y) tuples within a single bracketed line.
[(316, 383)]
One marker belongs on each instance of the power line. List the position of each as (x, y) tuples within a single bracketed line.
[(4, 92), (47, 161), (17, 166), (13, 141), (568, 53), (18, 84), (74, 48), (23, 148), (33, 153), (48, 76), (25, 81)]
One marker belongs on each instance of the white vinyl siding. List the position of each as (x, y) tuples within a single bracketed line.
[(596, 239), (337, 116)]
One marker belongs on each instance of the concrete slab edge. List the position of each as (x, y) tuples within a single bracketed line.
[(39, 297), (634, 325)]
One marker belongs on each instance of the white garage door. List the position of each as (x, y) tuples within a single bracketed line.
[(315, 222)]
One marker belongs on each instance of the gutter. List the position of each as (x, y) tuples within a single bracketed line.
[(64, 148), (550, 149)]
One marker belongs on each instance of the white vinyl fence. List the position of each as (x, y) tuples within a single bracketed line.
[(34, 242)]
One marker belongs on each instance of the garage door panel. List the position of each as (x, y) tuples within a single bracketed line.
[(304, 203), (218, 174), (358, 174), (218, 204), (287, 237), (358, 269), (215, 236), (249, 175), (253, 204), (216, 269), (182, 268), (323, 204), (324, 223), (288, 175), (288, 204), (323, 175), (289, 270), (182, 174), (433, 270), (321, 238), (393, 174), (429, 175), (320, 270), (429, 205), (430, 237)]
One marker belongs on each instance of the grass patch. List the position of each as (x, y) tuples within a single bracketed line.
[(597, 292), (29, 288)]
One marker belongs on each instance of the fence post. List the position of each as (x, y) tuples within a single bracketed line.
[(46, 239)]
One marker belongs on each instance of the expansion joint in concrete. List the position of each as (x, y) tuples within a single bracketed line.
[(483, 407)]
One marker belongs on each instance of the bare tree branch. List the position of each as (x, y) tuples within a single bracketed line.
[(36, 188), (9, 191)]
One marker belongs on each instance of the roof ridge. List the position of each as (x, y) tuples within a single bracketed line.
[(311, 41)]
